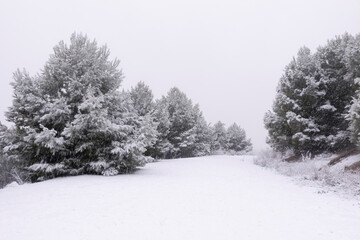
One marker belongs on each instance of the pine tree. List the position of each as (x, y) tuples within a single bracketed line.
[(339, 90), (183, 130), (143, 104), (236, 140), (352, 62), (162, 146), (5, 164), (219, 138), (201, 132), (292, 124), (203, 137), (143, 99), (11, 167), (182, 120), (353, 116), (313, 98), (70, 119)]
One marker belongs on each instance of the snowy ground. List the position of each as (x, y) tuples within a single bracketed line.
[(316, 172), (218, 197)]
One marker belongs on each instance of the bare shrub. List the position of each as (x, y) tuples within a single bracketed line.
[(10, 172), (314, 169)]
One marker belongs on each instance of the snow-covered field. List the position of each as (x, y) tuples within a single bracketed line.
[(217, 197)]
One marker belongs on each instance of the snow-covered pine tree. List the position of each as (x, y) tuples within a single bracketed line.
[(5, 164), (312, 101), (183, 130), (142, 99), (136, 133), (11, 166), (182, 120), (143, 104), (202, 131), (236, 140), (90, 136), (162, 146), (219, 138), (339, 90), (353, 116), (28, 143), (352, 62), (71, 120), (292, 123)]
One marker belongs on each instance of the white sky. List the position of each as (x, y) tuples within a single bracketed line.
[(225, 55)]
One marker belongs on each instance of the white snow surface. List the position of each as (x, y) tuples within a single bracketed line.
[(217, 197)]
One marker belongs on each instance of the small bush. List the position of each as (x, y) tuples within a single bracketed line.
[(10, 172), (314, 169)]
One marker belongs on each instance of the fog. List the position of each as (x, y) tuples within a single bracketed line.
[(225, 55)]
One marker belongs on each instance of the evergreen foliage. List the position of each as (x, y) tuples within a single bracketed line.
[(236, 140), (5, 167), (142, 99), (11, 168), (72, 119), (219, 138), (144, 107), (162, 145), (182, 127), (352, 62), (311, 108)]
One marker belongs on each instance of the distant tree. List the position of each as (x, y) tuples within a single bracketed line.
[(219, 138), (236, 140), (182, 121), (142, 98), (183, 131), (202, 133), (144, 107), (162, 146)]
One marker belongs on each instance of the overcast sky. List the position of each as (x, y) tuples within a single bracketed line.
[(225, 55)]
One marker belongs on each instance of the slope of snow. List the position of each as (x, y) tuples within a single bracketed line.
[(218, 197)]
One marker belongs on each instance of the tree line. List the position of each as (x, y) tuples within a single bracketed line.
[(317, 104), (72, 119)]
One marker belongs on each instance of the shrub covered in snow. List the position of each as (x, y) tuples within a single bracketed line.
[(315, 169), (11, 167)]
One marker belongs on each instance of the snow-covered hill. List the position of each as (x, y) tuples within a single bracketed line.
[(218, 197)]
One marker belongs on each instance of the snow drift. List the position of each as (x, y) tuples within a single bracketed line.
[(218, 197)]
